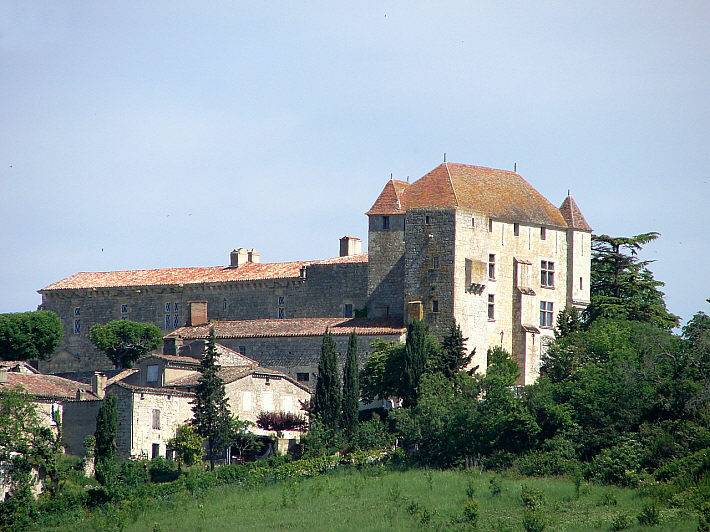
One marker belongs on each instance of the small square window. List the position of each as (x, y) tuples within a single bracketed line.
[(516, 229), (167, 307), (77, 326), (124, 309), (224, 305), (77, 311), (348, 310), (435, 305), (282, 313), (243, 349), (167, 321), (427, 220), (491, 307), (435, 263), (385, 222), (176, 322), (543, 233), (155, 451), (281, 300), (303, 377), (177, 307)]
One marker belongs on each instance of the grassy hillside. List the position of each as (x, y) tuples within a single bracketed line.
[(378, 499)]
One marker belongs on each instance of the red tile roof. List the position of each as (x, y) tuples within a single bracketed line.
[(45, 386), (389, 200), (19, 366), (573, 215), (500, 194), (178, 276), (234, 373), (267, 328)]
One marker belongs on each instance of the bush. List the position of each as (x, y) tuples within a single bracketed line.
[(620, 464), (649, 516), (162, 470), (688, 469), (321, 441), (621, 522), (533, 521), (545, 464), (704, 518), (369, 435), (471, 512), (533, 499), (495, 487)]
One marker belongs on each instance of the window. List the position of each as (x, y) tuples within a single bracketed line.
[(348, 310), (385, 222), (167, 307), (267, 401), (224, 305), (546, 314), (77, 326), (435, 263), (124, 309), (580, 283), (516, 229), (177, 307), (176, 321), (281, 301), (282, 313), (156, 419), (167, 321), (427, 220), (469, 273), (543, 233), (247, 401), (303, 377), (490, 225), (435, 305), (491, 307), (473, 222), (155, 451), (152, 373), (77, 311), (491, 266), (243, 349), (547, 273)]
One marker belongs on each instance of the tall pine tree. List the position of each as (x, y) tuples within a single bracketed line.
[(210, 406), (351, 386), (453, 354), (105, 434), (326, 403), (415, 358)]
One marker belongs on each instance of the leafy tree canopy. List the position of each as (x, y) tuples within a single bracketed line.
[(188, 445), (125, 341), (29, 335)]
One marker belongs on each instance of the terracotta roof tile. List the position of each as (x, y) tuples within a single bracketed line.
[(49, 386), (267, 328), (178, 276), (388, 202), (500, 194), (573, 215), (234, 373), (18, 366), (153, 390)]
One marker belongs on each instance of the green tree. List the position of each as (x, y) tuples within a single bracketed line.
[(210, 405), (622, 286), (453, 357), (29, 335), (382, 374), (241, 438), (569, 321), (188, 446), (416, 352), (327, 401), (105, 434), (351, 386), (125, 341)]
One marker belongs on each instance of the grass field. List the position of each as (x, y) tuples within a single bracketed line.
[(386, 500)]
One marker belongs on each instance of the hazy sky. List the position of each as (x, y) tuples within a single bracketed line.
[(149, 134)]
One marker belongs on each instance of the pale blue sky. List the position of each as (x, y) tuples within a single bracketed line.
[(139, 135)]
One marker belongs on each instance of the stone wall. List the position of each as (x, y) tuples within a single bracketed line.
[(385, 276), (325, 292), (79, 422)]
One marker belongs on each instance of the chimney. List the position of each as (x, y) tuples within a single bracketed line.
[(238, 257), (172, 345), (254, 256), (98, 384), (80, 394), (3, 375), (350, 245), (196, 313)]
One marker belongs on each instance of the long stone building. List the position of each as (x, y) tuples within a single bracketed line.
[(468, 243)]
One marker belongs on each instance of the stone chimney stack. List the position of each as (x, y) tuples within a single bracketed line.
[(350, 245), (196, 313), (240, 256), (98, 384), (254, 256), (3, 374)]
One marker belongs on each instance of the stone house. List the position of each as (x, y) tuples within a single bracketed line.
[(471, 244)]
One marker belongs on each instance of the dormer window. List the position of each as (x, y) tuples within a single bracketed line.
[(385, 222)]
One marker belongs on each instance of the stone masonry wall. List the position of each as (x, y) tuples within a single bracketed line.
[(325, 291), (385, 277), (79, 421)]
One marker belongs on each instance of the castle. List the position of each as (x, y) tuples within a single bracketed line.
[(467, 243)]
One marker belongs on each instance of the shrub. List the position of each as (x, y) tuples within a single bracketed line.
[(370, 435), (649, 515), (495, 487), (543, 464), (280, 421), (620, 464), (621, 522), (533, 499), (471, 512), (688, 469), (470, 489), (162, 470), (608, 499), (533, 521), (704, 518), (321, 441)]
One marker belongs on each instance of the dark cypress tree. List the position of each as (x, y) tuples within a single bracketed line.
[(453, 353), (210, 406), (415, 358), (351, 386), (105, 434), (326, 403)]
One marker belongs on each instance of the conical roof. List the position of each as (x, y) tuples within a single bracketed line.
[(573, 215)]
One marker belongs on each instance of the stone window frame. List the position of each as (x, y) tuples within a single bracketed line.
[(547, 314), (491, 266), (435, 306), (547, 273), (490, 225), (491, 307), (435, 263), (124, 308), (543, 233), (167, 322), (385, 223), (77, 311), (516, 229), (427, 219), (348, 310), (77, 326), (281, 313), (155, 414), (281, 301), (303, 376)]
